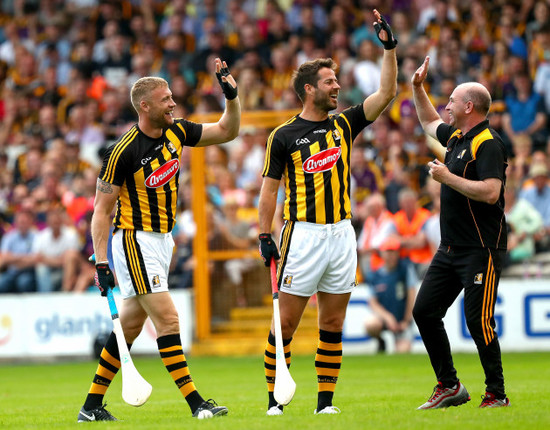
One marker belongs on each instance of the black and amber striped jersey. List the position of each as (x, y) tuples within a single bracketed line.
[(147, 169), (314, 158), (477, 155)]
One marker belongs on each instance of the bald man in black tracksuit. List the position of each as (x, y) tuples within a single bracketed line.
[(473, 238)]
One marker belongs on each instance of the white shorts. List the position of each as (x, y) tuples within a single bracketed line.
[(142, 261), (317, 257)]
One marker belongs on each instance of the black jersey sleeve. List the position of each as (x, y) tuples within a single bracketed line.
[(275, 156), (192, 130), (115, 165), (444, 132), (490, 160), (356, 118)]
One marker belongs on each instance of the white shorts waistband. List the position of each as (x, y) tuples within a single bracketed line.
[(323, 227)]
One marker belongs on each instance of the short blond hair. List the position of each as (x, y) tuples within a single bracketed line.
[(142, 89)]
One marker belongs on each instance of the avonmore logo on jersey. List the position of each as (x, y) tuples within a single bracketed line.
[(163, 174), (322, 161)]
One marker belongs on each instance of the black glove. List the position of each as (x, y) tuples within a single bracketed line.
[(268, 249), (104, 278), (392, 41), (229, 91)]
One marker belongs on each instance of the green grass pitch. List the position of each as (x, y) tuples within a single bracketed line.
[(374, 392)]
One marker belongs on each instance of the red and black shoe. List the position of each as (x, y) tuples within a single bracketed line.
[(490, 401)]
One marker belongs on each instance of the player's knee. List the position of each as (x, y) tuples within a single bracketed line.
[(332, 323), (287, 329), (132, 329)]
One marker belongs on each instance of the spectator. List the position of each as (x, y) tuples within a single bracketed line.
[(84, 132), (404, 32), (477, 39), (366, 176), (524, 222), (77, 94), (8, 48), (367, 68), (17, 262), (518, 168), (431, 229), (50, 247), (409, 221), (79, 198), (393, 291), (308, 27), (241, 235), (378, 226), (251, 41), (78, 271), (278, 32), (49, 129), (27, 165), (176, 19), (117, 64), (507, 32), (279, 76), (294, 15), (496, 121), (365, 30), (216, 46), (525, 112), (541, 18), (539, 66), (538, 194), (250, 78)]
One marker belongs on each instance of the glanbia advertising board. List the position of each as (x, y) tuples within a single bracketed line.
[(58, 324), (522, 316), (61, 324)]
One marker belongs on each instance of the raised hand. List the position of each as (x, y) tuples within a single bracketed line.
[(226, 81), (383, 31), (420, 75)]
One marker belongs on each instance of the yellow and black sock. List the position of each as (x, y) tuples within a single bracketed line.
[(269, 365), (171, 352), (109, 363), (327, 364)]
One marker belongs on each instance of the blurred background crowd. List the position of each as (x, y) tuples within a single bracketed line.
[(66, 67)]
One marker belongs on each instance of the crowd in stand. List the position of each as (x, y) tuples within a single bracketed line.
[(66, 67)]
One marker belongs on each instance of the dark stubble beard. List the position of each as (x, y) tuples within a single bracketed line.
[(323, 101)]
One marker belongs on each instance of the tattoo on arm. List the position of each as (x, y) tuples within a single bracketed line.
[(104, 187)]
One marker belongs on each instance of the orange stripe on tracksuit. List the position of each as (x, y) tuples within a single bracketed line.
[(488, 302)]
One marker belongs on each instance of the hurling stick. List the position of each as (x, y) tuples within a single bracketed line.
[(284, 384), (135, 389)]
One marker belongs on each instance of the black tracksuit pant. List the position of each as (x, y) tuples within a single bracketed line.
[(477, 271)]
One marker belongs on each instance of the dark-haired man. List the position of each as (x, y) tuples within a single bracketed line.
[(318, 245)]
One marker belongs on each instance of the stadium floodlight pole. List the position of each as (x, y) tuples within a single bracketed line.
[(135, 389), (285, 386)]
